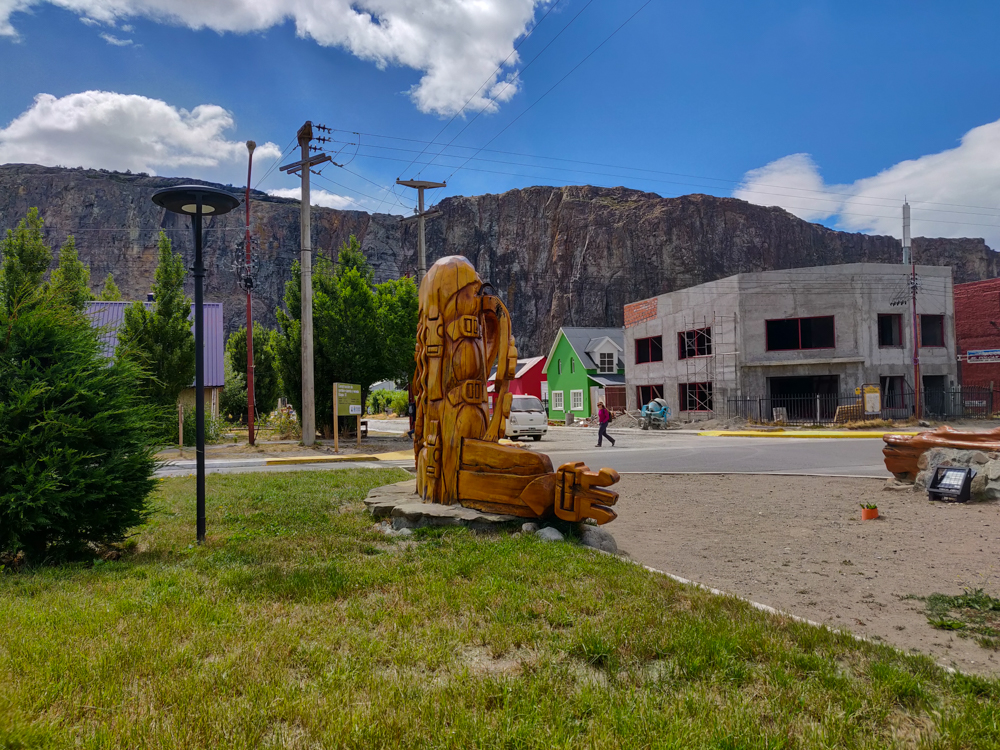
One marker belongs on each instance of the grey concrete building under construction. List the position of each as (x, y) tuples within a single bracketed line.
[(803, 332)]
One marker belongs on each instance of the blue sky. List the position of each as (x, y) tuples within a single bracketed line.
[(833, 109)]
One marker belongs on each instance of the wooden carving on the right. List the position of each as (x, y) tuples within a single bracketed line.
[(463, 330)]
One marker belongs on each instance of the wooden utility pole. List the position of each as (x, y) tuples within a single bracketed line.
[(419, 217), (308, 416)]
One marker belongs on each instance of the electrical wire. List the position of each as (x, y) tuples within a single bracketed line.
[(276, 162), (491, 77), (894, 200), (492, 100)]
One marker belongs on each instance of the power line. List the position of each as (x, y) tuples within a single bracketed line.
[(276, 162), (650, 179), (894, 200), (492, 76), (557, 83), (507, 84), (571, 182)]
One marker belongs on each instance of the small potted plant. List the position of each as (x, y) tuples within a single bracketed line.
[(869, 511)]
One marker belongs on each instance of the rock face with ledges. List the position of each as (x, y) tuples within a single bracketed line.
[(570, 256)]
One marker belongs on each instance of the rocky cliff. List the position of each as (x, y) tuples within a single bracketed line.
[(558, 256)]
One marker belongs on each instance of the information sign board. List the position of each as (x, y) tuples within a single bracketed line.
[(980, 356), (347, 396), (873, 399)]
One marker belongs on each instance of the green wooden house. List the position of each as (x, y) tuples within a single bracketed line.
[(584, 366)]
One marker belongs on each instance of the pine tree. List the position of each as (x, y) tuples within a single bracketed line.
[(161, 339), (110, 292), (76, 440), (265, 380), (71, 279), (24, 258)]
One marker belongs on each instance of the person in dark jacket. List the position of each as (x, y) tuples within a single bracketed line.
[(411, 412), (604, 416)]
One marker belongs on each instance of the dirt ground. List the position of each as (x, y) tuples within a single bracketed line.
[(798, 544)]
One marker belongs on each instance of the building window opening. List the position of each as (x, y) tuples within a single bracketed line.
[(694, 343), (893, 392), (647, 393), (932, 330), (800, 333), (890, 330), (572, 364), (557, 400), (576, 400), (607, 362), (696, 396), (559, 367), (649, 350)]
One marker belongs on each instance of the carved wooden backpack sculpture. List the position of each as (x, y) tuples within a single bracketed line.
[(462, 331)]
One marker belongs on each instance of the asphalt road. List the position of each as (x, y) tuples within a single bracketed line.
[(646, 452), (638, 451)]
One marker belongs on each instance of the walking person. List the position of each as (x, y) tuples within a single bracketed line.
[(411, 412), (604, 416)]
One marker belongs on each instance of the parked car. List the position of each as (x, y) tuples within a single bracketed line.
[(527, 418)]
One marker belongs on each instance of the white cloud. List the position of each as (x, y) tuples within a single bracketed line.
[(115, 41), (124, 131), (317, 198), (953, 193), (456, 44)]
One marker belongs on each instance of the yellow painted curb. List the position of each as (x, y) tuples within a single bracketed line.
[(396, 456), (806, 433)]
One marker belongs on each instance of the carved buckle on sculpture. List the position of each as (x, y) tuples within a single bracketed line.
[(466, 326)]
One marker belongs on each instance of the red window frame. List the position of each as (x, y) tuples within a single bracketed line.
[(648, 341), (899, 330), (651, 391), (682, 342), (944, 340), (702, 395), (767, 338)]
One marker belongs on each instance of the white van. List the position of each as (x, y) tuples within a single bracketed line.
[(527, 417)]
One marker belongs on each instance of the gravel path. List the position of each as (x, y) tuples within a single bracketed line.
[(798, 544)]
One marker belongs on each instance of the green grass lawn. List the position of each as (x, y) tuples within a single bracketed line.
[(298, 626)]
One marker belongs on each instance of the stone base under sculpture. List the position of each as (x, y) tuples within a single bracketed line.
[(401, 504)]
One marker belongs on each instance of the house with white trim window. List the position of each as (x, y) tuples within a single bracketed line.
[(584, 366)]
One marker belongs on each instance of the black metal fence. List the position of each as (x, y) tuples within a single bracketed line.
[(830, 408)]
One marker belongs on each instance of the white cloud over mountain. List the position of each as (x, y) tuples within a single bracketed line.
[(953, 193), (317, 198), (123, 131), (456, 44)]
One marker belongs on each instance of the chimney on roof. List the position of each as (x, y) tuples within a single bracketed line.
[(150, 297)]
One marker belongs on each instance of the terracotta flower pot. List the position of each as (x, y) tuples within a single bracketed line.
[(868, 514)]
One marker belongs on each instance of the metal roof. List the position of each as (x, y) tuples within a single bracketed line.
[(581, 338), (109, 316), (608, 379)]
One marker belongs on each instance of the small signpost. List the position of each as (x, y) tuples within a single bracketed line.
[(346, 403)]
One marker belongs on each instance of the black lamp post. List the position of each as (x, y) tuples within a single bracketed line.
[(197, 201)]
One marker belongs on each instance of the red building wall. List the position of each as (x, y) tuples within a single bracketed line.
[(530, 384), (977, 326)]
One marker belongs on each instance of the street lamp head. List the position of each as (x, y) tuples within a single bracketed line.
[(184, 199)]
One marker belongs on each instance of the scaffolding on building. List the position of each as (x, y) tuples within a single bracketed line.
[(707, 345)]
